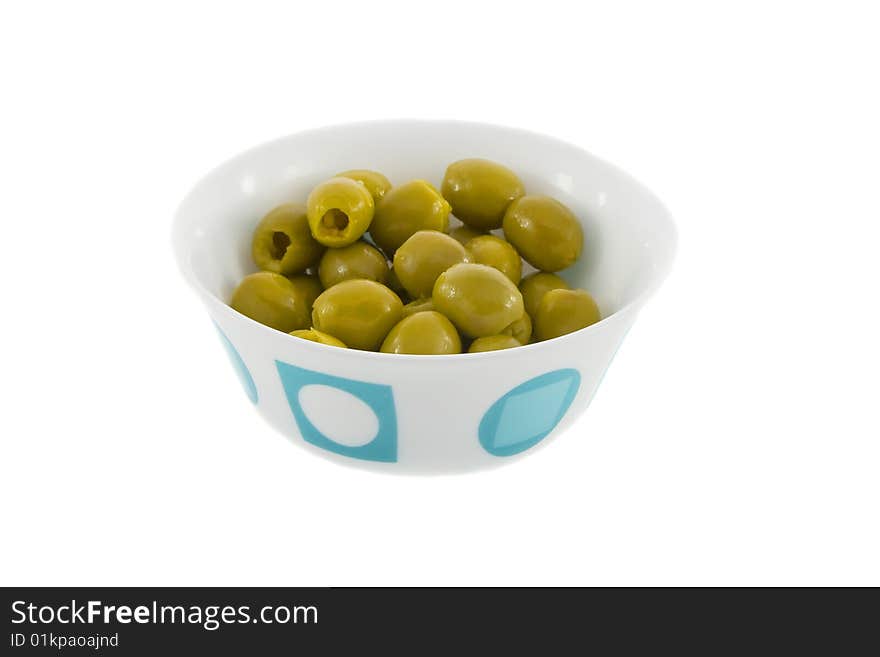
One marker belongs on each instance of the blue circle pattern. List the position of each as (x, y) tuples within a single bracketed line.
[(244, 375), (528, 413)]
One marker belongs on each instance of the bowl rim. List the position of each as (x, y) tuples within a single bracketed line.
[(659, 276)]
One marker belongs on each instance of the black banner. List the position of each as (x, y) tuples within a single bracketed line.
[(149, 621)]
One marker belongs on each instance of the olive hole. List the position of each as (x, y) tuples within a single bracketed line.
[(280, 242), (335, 219)]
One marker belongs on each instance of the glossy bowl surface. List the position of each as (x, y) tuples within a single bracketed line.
[(423, 414)]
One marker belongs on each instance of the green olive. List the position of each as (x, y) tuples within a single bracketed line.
[(535, 286), (520, 329), (314, 335), (545, 232), (358, 260), (339, 211), (464, 234), (423, 257), (426, 332), (308, 287), (493, 343), (274, 300), (405, 210), (417, 306), (479, 191), (495, 252), (358, 312), (282, 242), (564, 311), (479, 299), (375, 182), (395, 285)]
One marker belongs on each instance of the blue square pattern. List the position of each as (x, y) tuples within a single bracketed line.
[(378, 397), (526, 414)]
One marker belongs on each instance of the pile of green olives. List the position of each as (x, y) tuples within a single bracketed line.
[(366, 265)]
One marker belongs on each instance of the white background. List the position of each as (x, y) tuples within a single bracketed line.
[(735, 439)]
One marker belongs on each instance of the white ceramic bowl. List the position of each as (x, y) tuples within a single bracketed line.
[(423, 414)]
